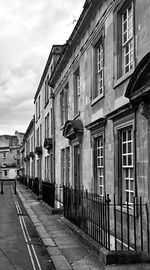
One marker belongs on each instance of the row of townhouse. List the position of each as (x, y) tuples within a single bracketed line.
[(92, 106)]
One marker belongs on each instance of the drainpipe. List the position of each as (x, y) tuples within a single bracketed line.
[(53, 130)]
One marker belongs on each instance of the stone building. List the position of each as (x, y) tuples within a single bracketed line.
[(92, 123), (28, 151), (10, 155), (101, 102), (44, 118)]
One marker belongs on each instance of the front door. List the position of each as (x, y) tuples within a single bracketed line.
[(77, 164)]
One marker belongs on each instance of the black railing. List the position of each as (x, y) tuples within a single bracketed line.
[(35, 186), (30, 183), (23, 180), (48, 193), (115, 226)]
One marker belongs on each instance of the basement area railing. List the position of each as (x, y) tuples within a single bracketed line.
[(115, 226)]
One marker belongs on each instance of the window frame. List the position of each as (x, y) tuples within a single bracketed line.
[(46, 91), (77, 89), (119, 74), (126, 169), (65, 165), (64, 104), (95, 139), (120, 126), (100, 40), (47, 126)]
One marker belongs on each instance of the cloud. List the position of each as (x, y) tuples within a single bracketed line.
[(28, 31)]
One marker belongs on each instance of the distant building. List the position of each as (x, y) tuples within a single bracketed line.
[(28, 150), (10, 155)]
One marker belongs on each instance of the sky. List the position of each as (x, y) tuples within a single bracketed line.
[(28, 29)]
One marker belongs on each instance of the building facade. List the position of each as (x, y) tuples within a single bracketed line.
[(99, 142), (10, 155), (92, 109), (28, 151), (44, 119)]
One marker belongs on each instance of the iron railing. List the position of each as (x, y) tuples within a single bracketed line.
[(48, 193), (35, 186), (115, 226), (30, 183)]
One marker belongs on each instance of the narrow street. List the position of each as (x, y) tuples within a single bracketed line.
[(20, 246)]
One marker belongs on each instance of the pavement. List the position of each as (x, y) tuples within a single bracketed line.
[(66, 250)]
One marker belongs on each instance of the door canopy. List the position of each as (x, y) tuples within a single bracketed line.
[(138, 89), (73, 129)]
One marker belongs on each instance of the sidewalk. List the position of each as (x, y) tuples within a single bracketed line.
[(65, 249)]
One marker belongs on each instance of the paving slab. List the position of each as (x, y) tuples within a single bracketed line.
[(53, 251), (61, 263)]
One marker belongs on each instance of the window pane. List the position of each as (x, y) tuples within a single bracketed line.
[(131, 185), (129, 135), (129, 147), (129, 160), (127, 184), (124, 161), (124, 148)]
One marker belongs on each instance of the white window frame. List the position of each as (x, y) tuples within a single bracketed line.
[(127, 165), (100, 181), (127, 39), (77, 91), (98, 70)]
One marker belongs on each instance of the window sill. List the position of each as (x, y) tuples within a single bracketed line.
[(124, 210), (77, 115), (96, 99), (126, 76)]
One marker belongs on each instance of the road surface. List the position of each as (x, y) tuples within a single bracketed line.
[(20, 246)]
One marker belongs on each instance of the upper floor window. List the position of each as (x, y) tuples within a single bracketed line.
[(32, 143), (46, 91), (76, 91), (64, 104), (52, 122), (98, 89), (39, 107), (36, 104), (37, 137), (125, 39), (47, 126), (40, 134), (28, 147)]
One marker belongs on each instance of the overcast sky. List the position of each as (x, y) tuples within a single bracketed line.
[(28, 29)]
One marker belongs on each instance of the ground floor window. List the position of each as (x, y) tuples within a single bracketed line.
[(47, 168), (126, 164), (39, 171), (99, 184), (65, 165)]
